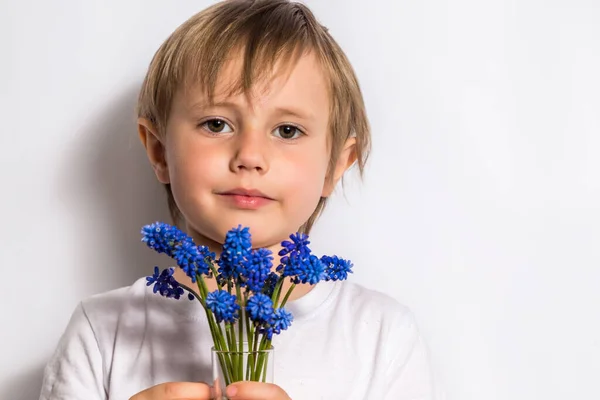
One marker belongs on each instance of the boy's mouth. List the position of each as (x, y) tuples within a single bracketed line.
[(248, 199), (246, 192)]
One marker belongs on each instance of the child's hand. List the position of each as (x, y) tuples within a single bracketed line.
[(176, 390), (248, 390)]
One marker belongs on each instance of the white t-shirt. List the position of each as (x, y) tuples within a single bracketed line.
[(346, 342)]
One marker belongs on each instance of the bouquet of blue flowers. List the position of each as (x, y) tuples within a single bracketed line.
[(247, 308)]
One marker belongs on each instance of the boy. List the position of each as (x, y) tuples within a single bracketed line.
[(250, 114)]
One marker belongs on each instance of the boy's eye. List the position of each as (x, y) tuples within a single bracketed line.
[(217, 125), (287, 132)]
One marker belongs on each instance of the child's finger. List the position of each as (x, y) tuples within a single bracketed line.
[(176, 391), (248, 390)]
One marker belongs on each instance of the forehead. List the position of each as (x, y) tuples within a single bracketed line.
[(300, 82)]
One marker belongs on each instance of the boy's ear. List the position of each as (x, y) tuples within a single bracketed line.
[(345, 160), (155, 149)]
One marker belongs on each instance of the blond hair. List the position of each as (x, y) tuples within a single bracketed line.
[(268, 32)]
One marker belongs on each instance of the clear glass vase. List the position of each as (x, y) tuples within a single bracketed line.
[(246, 365)]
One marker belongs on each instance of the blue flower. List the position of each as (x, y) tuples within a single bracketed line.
[(168, 239), (309, 270), (165, 283), (313, 271), (256, 269), (336, 269), (280, 321), (260, 308), (192, 259), (223, 305), (290, 267), (270, 283), (163, 237), (298, 247), (294, 255), (237, 246)]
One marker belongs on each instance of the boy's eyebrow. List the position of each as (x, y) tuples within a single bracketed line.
[(201, 105), (279, 111), (285, 111)]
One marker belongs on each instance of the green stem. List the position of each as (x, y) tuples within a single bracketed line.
[(215, 273), (256, 372), (202, 286), (263, 358), (266, 365), (215, 328), (204, 291), (249, 339), (255, 351), (287, 295), (275, 296), (228, 368), (233, 348), (238, 292), (191, 291)]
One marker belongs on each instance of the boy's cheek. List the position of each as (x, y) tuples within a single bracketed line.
[(192, 158)]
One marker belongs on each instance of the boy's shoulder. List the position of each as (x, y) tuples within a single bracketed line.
[(379, 322), (115, 298), (374, 307), (374, 301), (103, 310)]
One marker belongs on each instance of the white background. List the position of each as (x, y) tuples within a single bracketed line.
[(480, 209)]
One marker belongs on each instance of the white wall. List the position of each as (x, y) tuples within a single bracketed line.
[(479, 210)]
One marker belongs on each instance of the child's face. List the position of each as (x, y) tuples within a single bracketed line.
[(275, 144)]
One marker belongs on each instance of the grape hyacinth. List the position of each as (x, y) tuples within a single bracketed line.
[(260, 308), (313, 272), (163, 238), (192, 259), (236, 248), (164, 283), (297, 248), (257, 267), (336, 269), (280, 321), (223, 306), (304, 270), (248, 304)]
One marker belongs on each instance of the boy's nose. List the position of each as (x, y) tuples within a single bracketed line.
[(250, 150)]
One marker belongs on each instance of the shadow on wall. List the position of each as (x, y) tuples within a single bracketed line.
[(23, 386), (117, 188), (109, 191)]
